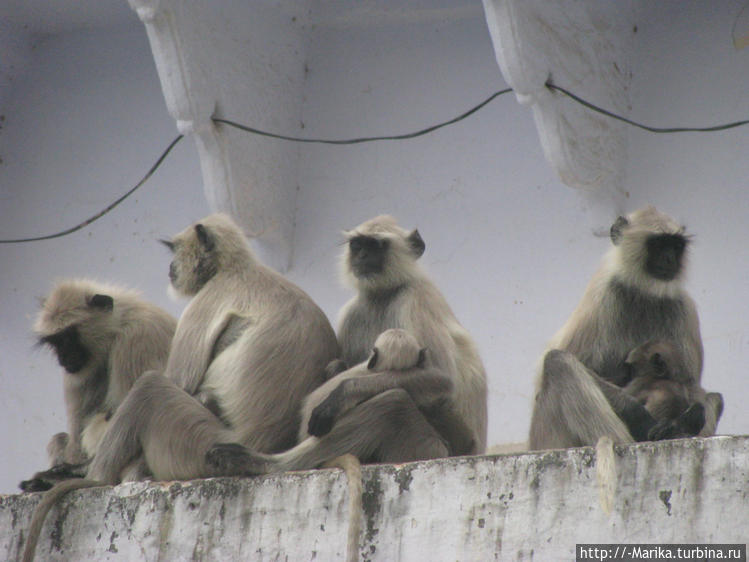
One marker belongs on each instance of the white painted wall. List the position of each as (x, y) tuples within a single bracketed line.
[(688, 73), (509, 245)]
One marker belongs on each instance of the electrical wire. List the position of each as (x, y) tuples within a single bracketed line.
[(106, 209), (360, 140), (613, 115)]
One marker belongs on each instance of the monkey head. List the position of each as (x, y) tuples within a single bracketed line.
[(202, 250), (396, 350), (649, 250), (657, 359), (74, 321), (380, 255)]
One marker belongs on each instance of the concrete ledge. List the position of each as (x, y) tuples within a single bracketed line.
[(524, 507)]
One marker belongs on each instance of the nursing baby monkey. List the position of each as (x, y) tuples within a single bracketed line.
[(661, 382)]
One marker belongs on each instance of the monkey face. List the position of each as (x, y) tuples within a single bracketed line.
[(367, 255), (194, 261), (664, 255), (70, 351)]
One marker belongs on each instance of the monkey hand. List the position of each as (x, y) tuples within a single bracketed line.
[(335, 367), (324, 415), (35, 485), (46, 479), (688, 424)]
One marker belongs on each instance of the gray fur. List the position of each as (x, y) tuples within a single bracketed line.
[(123, 337), (661, 382), (431, 412), (250, 344), (402, 296), (123, 340), (578, 395)]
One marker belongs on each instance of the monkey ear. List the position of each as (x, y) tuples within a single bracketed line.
[(416, 243), (168, 243), (102, 302), (203, 237), (658, 363), (373, 359), (421, 361), (616, 230)]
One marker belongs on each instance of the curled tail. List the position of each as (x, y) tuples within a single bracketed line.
[(352, 467), (51, 497)]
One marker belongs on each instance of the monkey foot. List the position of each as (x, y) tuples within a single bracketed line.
[(232, 459), (688, 424)]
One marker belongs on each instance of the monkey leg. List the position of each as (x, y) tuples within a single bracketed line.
[(570, 409), (386, 428), (170, 427)]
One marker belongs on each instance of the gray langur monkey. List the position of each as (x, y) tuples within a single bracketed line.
[(637, 295), (375, 417), (104, 338), (249, 346), (250, 343), (661, 383)]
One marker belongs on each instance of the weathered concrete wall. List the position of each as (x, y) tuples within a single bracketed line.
[(533, 506)]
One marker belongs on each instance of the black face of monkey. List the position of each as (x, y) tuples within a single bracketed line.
[(71, 354), (368, 255), (664, 255)]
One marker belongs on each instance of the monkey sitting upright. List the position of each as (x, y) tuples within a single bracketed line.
[(661, 382), (637, 295), (104, 337), (380, 262)]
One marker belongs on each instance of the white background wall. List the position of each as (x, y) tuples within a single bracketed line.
[(688, 72), (510, 246)]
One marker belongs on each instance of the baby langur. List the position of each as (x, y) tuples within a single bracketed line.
[(661, 382), (394, 350), (104, 337), (397, 354)]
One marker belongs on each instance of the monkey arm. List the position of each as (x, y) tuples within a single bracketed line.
[(637, 419), (425, 386), (642, 425), (335, 367), (450, 425), (194, 347)]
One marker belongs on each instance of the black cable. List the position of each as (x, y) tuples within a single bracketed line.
[(107, 208), (640, 125), (266, 134), (366, 139), (380, 138)]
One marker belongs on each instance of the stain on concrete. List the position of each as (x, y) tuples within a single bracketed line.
[(665, 496), (404, 478), (371, 504)]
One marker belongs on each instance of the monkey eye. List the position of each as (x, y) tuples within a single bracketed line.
[(366, 243)]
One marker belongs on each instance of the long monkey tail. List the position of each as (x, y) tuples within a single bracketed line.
[(606, 473), (51, 497), (352, 467)]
